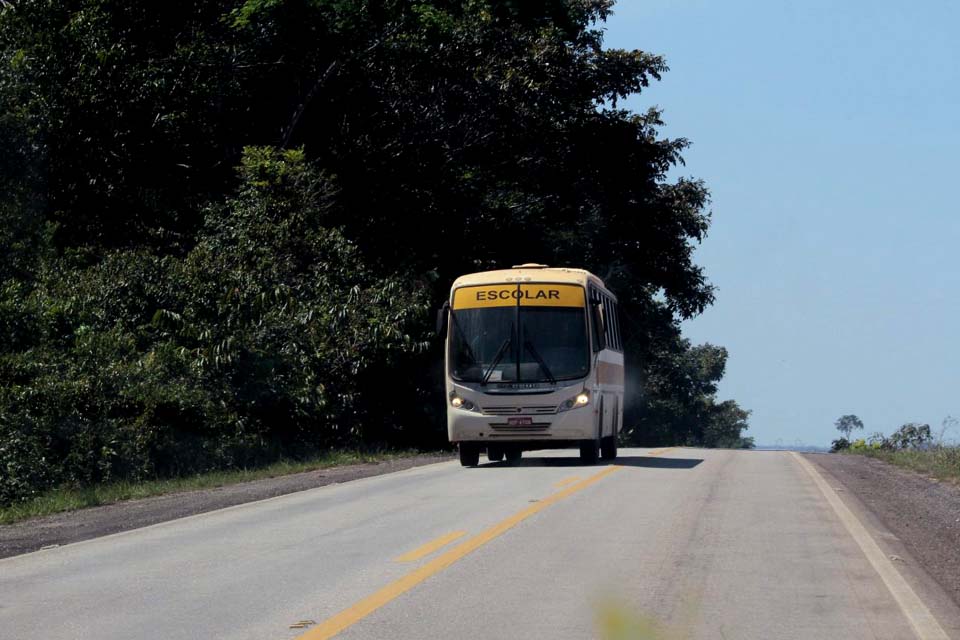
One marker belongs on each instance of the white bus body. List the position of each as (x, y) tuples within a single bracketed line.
[(534, 360)]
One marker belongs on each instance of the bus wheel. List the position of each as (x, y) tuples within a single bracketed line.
[(589, 451), (608, 448), (494, 454), (514, 454), (469, 454)]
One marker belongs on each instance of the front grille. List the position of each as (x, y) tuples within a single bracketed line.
[(520, 411), (533, 426), (525, 434)]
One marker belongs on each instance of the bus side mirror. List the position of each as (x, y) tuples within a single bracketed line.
[(442, 319)]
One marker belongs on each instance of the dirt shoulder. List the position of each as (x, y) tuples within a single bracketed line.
[(74, 526), (923, 513)]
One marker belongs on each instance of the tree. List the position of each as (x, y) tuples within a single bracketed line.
[(159, 308), (912, 435), (679, 400), (493, 124), (726, 422), (847, 424), (136, 114), (490, 123)]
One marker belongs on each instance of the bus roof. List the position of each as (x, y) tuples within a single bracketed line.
[(529, 273)]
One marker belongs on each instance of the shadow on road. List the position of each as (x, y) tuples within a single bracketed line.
[(657, 463), (651, 462)]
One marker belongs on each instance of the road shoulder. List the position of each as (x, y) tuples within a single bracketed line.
[(915, 520), (75, 526)]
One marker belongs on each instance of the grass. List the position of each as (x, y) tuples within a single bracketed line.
[(70, 498), (940, 462)]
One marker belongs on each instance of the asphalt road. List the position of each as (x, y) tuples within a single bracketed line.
[(678, 543)]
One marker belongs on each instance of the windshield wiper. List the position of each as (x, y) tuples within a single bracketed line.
[(543, 365), (496, 360)]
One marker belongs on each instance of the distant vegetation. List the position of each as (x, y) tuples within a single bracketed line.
[(913, 446), (223, 224), (912, 435)]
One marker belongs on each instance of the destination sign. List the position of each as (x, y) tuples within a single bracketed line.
[(527, 295)]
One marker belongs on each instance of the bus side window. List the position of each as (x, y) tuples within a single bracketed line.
[(615, 323), (595, 323), (610, 341)]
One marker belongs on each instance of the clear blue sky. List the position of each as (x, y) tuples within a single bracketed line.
[(829, 135)]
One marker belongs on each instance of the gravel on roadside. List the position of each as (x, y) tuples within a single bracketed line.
[(74, 526), (922, 512)]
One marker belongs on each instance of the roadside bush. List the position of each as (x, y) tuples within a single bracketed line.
[(23, 465), (910, 436), (878, 441), (247, 347), (840, 444), (860, 445)]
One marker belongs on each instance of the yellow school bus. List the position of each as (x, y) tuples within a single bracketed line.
[(534, 360)]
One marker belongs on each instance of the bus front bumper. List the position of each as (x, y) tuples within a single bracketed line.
[(576, 424)]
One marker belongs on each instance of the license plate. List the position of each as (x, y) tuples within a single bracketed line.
[(519, 422)]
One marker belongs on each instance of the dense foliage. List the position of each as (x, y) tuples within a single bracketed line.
[(139, 365), (679, 402), (163, 311)]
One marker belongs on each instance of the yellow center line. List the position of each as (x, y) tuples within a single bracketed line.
[(562, 483), (657, 452), (351, 615), (430, 547)]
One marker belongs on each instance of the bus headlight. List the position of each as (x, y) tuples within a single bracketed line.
[(582, 399), (462, 403)]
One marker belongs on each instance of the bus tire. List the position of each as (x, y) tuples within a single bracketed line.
[(494, 454), (608, 448), (469, 454), (513, 455), (589, 451)]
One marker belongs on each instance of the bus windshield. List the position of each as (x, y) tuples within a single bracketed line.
[(519, 344)]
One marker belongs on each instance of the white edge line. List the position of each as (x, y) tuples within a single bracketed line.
[(233, 507), (925, 626)]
